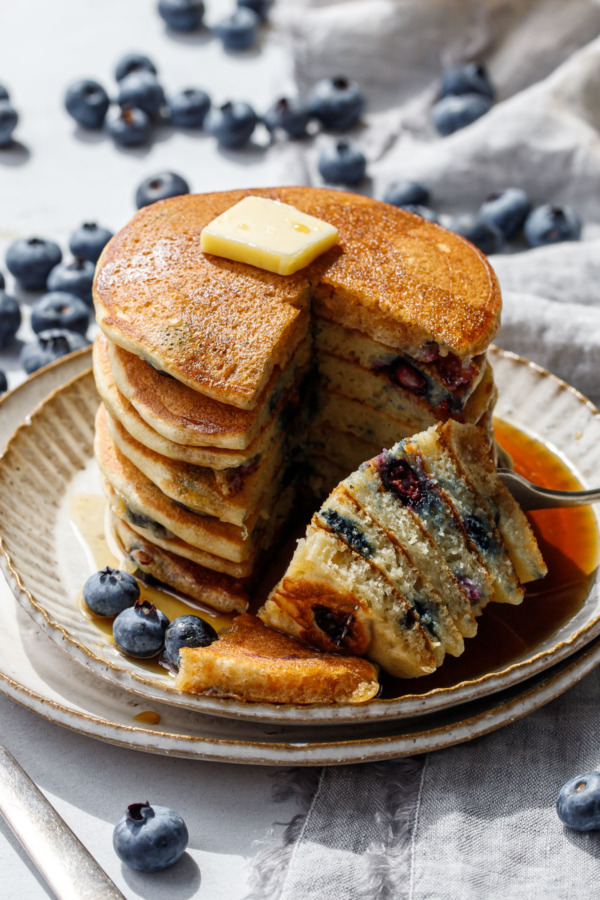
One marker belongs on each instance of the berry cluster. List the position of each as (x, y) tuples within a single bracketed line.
[(237, 31), (465, 95)]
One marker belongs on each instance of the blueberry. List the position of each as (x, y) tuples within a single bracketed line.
[(260, 7), (187, 631), (401, 193), (188, 108), (2, 284), (8, 122), (31, 260), (507, 210), (181, 15), (110, 591), (3, 382), (550, 224), (289, 114), (87, 102), (239, 30), (486, 236), (10, 319), (139, 630), (470, 78), (457, 111), (89, 240), (134, 62), (349, 530), (422, 211), (232, 123), (336, 102), (150, 838), (402, 480), (60, 309), (75, 277), (143, 91), (578, 803), (49, 346), (342, 162), (129, 127), (159, 187)]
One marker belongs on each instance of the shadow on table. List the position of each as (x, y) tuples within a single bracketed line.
[(14, 154), (178, 882)]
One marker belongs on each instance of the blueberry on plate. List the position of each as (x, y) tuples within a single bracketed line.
[(150, 838), (578, 803), (88, 241), (289, 114), (550, 224), (159, 187), (422, 211), (470, 78), (75, 277), (336, 102), (58, 309), (188, 108), (10, 319), (260, 7), (342, 162), (181, 15), (401, 192), (3, 382), (232, 123), (134, 62), (143, 91), (507, 210), (186, 631), (110, 591), (49, 346), (239, 30), (128, 126), (87, 102), (486, 236), (8, 122), (139, 631), (456, 111), (31, 260)]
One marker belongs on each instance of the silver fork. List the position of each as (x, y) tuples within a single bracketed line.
[(532, 496)]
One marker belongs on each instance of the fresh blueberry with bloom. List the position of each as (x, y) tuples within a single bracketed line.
[(336, 102), (507, 210), (403, 192), (186, 631), (3, 382), (87, 102), (487, 237), (578, 803), (550, 224), (143, 91), (49, 346), (181, 15), (75, 277), (88, 241), (289, 114), (134, 62), (110, 591), (342, 162), (159, 187), (232, 123), (260, 7), (470, 78), (422, 211), (59, 309), (239, 30), (31, 260), (188, 108), (8, 122), (150, 838), (128, 127), (139, 631), (456, 111), (10, 319)]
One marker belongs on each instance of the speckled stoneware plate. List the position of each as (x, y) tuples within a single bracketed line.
[(49, 460)]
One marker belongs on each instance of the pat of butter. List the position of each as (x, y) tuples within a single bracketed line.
[(266, 233)]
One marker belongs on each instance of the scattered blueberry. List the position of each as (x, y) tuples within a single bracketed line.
[(289, 114), (578, 803), (150, 838), (187, 631), (401, 193), (139, 630), (507, 210), (10, 319), (88, 241), (486, 236), (87, 102), (141, 90), (342, 162), (239, 30), (232, 123), (181, 15), (75, 277), (336, 102), (550, 224), (159, 187), (260, 7), (134, 62), (3, 382), (59, 309), (470, 78), (110, 591), (8, 122), (49, 346), (458, 110), (422, 211), (128, 127), (31, 260), (188, 108)]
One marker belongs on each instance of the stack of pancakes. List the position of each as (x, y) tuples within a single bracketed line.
[(226, 389)]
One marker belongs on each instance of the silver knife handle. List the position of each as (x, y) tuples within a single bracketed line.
[(70, 870)]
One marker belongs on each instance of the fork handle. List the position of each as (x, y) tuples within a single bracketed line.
[(533, 496)]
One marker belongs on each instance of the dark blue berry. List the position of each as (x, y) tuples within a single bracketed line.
[(75, 277), (188, 108), (59, 309), (232, 123), (88, 241), (422, 211), (31, 260), (458, 110), (181, 15), (348, 530), (470, 78), (336, 102), (578, 803), (129, 127), (342, 162), (507, 210), (10, 319), (3, 382), (87, 102), (478, 532), (186, 631), (486, 236), (2, 283), (110, 591), (159, 187), (549, 224), (8, 122), (134, 62), (400, 479), (49, 346), (239, 30), (139, 630), (402, 192), (335, 623), (141, 90), (289, 114), (260, 7), (150, 838)]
